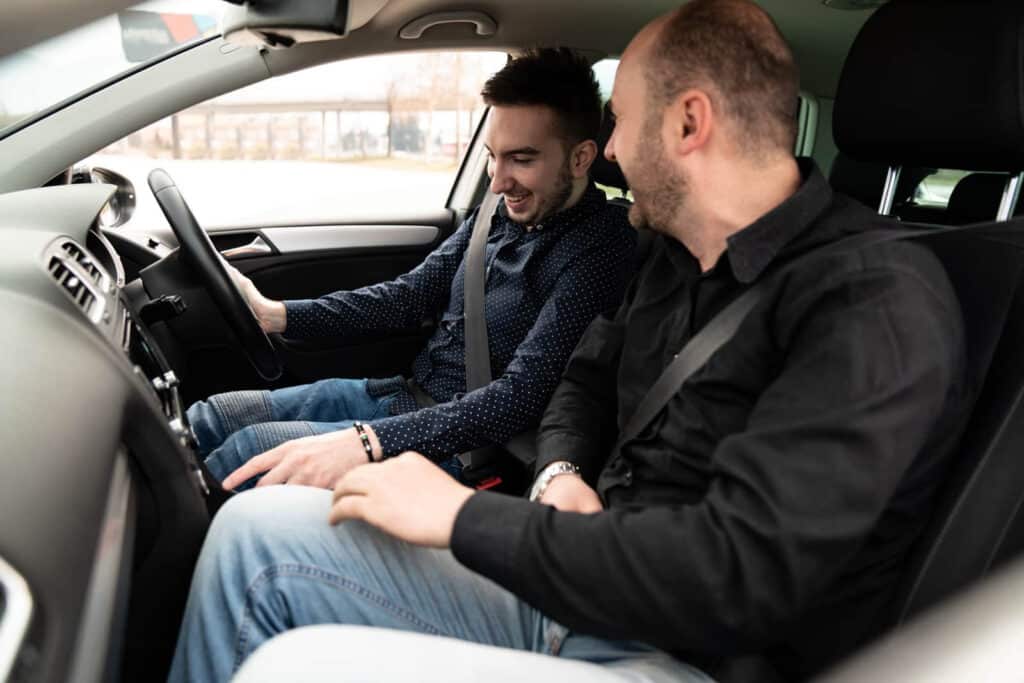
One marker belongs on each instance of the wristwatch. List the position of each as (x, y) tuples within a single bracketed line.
[(540, 485)]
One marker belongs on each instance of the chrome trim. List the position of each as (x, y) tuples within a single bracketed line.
[(1010, 195), (97, 624), (892, 179), (17, 615), (326, 237), (258, 247)]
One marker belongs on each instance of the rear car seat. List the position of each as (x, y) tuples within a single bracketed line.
[(976, 198)]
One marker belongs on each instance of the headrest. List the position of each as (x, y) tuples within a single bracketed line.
[(603, 171), (976, 198), (865, 180), (936, 83)]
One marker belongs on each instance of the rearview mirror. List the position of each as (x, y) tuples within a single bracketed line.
[(280, 24)]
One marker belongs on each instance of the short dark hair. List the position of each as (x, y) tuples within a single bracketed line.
[(558, 78), (731, 48)]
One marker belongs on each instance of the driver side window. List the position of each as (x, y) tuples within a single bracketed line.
[(381, 134)]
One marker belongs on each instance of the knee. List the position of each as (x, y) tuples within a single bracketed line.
[(273, 516)]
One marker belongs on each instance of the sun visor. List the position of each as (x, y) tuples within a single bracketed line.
[(936, 83), (279, 24)]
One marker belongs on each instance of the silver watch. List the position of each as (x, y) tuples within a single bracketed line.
[(540, 485)]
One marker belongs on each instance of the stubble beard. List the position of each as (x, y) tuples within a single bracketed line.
[(659, 190), (559, 196)]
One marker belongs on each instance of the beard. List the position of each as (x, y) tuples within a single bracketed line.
[(560, 194), (659, 190)]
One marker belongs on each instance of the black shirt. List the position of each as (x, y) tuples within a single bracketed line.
[(768, 508)]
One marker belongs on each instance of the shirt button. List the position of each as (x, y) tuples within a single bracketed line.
[(629, 476)]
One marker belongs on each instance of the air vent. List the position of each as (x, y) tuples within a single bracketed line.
[(79, 276), (73, 285), (84, 260)]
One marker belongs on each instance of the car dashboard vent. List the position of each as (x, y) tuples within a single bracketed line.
[(77, 273)]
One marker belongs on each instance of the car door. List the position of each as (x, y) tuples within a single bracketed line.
[(331, 178)]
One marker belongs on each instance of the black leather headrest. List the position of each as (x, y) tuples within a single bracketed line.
[(976, 198), (603, 171), (865, 180), (936, 83)]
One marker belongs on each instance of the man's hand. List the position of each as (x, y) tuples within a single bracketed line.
[(408, 497), (569, 493), (270, 314), (312, 460)]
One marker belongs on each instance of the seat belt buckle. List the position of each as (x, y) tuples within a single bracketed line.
[(488, 483)]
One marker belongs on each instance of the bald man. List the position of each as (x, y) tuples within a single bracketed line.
[(771, 500)]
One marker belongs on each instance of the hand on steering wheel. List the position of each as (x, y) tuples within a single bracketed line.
[(198, 251)]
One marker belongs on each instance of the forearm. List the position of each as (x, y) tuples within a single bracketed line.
[(480, 418), (579, 424)]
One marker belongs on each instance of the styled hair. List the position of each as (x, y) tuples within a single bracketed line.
[(558, 78), (733, 51)]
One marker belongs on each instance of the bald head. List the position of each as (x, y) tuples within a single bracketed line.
[(731, 50)]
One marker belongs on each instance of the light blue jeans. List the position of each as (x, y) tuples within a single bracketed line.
[(272, 563), (233, 427)]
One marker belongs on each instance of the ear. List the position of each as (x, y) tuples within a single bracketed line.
[(581, 157), (690, 120)]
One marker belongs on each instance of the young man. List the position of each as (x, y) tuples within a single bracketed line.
[(773, 498), (557, 255)]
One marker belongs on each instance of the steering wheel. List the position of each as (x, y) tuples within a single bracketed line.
[(199, 252)]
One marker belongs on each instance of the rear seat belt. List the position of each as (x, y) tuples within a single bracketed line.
[(721, 329)]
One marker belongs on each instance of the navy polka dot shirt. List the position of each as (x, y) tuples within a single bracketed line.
[(543, 287)]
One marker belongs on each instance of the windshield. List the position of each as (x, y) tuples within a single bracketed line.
[(50, 72)]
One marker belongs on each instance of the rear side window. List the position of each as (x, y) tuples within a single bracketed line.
[(936, 188)]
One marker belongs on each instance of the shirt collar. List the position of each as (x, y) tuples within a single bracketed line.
[(751, 250), (592, 201)]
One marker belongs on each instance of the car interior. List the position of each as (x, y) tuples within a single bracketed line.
[(112, 331)]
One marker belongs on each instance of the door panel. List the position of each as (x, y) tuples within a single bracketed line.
[(308, 261)]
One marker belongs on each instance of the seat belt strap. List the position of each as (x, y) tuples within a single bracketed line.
[(478, 354), (721, 329)]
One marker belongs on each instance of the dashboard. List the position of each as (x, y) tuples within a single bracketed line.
[(103, 505)]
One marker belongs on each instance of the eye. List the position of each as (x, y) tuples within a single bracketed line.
[(524, 161)]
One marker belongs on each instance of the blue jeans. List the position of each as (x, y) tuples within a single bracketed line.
[(271, 563), (231, 428)]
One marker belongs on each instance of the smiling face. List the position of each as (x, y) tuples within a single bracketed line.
[(528, 163), (637, 143)]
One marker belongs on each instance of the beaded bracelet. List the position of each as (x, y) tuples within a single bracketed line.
[(365, 438)]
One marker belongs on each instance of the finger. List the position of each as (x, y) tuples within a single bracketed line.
[(357, 481), (348, 507), (254, 466), (281, 474)]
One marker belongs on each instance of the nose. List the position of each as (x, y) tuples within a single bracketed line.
[(501, 180), (609, 147)]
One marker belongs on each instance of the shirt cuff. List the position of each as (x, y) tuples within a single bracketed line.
[(300, 319), (488, 532), (571, 447), (389, 431)]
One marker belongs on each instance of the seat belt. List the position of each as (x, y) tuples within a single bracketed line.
[(723, 326), (478, 353)]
